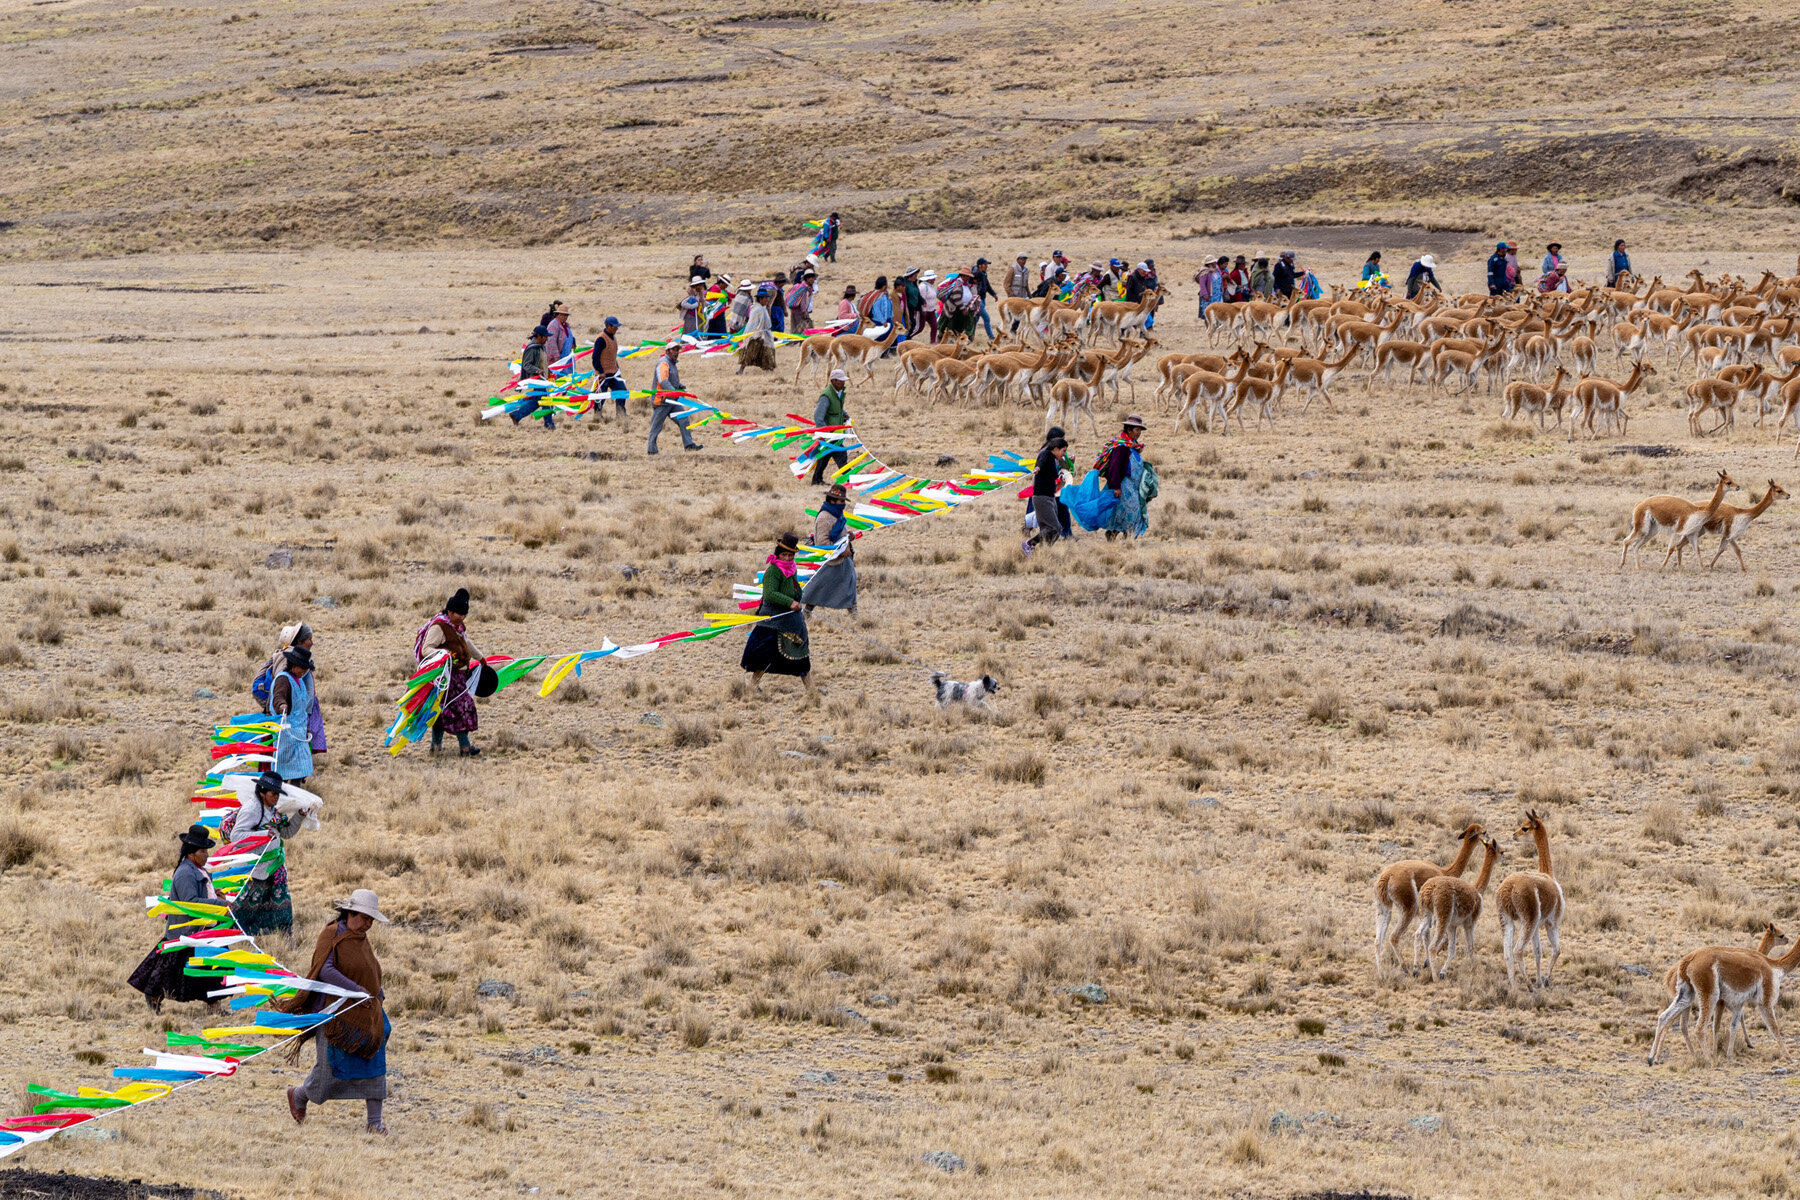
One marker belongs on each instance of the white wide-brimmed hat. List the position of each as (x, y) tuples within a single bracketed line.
[(928, 275), (1428, 261), (362, 900)]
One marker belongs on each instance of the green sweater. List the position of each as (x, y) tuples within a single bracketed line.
[(778, 589)]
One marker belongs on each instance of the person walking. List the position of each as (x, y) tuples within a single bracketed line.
[(264, 905), (699, 270), (984, 291), (779, 645), (689, 309), (741, 304), (531, 366), (1046, 479), (1422, 272), (777, 292), (833, 585), (561, 342), (800, 301), (448, 630), (1285, 275), (829, 412), (910, 300), (163, 976), (298, 636), (665, 405), (1129, 478), (1262, 280), (833, 227), (352, 1046), (607, 378), (878, 306), (290, 703), (1211, 280), (1621, 265), (757, 349), (1018, 279), (1497, 282)]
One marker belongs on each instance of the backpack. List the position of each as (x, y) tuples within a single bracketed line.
[(263, 685)]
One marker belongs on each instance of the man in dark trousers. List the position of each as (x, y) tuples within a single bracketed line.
[(531, 366), (830, 411), (607, 379), (1498, 284), (1285, 274), (831, 237), (664, 405)]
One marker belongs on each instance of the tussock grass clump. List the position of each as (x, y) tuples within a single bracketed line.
[(133, 757), (1025, 767), (19, 846)]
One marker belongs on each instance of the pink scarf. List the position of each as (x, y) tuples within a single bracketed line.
[(783, 565)]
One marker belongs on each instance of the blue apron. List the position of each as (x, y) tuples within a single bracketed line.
[(293, 743)]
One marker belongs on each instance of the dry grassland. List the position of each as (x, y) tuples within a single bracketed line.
[(133, 128), (1341, 641)]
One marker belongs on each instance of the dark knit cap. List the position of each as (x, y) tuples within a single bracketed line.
[(458, 603)]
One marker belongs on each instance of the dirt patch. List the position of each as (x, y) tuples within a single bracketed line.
[(1752, 179), (42, 1185)]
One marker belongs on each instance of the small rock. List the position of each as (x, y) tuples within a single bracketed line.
[(326, 602), (819, 1076), (946, 460), (279, 560), (96, 1133), (1087, 993), (1281, 1122), (794, 754), (836, 975), (1778, 1071), (853, 1015), (943, 1160), (630, 572), (1309, 474), (489, 989), (651, 718), (424, 329), (830, 883), (1634, 969), (541, 1052), (205, 694), (1204, 802), (881, 1000), (1326, 1118), (1427, 1123)]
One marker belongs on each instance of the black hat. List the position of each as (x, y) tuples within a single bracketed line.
[(268, 781), (197, 837), (458, 603), (1055, 431), (788, 541), (299, 659)]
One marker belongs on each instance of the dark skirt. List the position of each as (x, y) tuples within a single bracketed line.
[(458, 715), (160, 977), (325, 1084), (754, 352), (765, 651), (264, 905), (833, 585)]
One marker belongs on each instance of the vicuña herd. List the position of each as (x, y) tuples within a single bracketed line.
[(1704, 984)]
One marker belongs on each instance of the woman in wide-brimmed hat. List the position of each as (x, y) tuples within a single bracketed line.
[(780, 645), (352, 1050), (833, 585), (162, 976), (263, 904), (1128, 477)]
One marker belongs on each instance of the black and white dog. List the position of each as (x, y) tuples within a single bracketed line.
[(975, 695)]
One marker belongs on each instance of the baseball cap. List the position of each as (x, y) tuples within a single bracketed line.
[(612, 322), (540, 331)]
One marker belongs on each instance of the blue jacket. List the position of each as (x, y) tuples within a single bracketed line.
[(882, 311), (1497, 273)]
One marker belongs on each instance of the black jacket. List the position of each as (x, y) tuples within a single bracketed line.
[(1284, 277), (983, 289)]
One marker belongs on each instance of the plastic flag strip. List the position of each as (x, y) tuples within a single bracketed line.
[(880, 497), (222, 952)]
